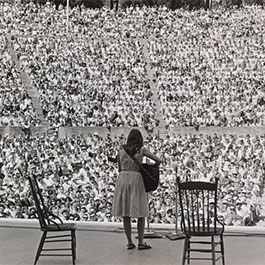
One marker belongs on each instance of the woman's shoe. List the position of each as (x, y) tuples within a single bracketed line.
[(130, 246), (143, 246)]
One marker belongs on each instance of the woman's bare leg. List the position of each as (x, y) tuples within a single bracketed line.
[(140, 228), (128, 229)]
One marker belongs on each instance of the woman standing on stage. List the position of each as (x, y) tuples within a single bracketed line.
[(130, 198)]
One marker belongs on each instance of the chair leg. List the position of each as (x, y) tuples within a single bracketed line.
[(222, 249), (40, 246), (73, 246), (185, 250), (213, 251), (188, 249)]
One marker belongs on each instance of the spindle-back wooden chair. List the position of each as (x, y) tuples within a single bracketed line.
[(198, 203), (49, 225)]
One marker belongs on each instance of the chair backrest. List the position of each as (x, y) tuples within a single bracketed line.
[(198, 203), (39, 202)]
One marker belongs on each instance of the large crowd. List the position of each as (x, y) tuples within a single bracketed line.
[(96, 79), (208, 67), (90, 82), (77, 175)]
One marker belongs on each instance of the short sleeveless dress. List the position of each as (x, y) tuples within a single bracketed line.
[(130, 198)]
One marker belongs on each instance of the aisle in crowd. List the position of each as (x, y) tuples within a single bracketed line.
[(16, 108)]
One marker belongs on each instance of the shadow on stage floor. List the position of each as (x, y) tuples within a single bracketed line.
[(104, 245)]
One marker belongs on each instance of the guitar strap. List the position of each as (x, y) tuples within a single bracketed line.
[(138, 163)]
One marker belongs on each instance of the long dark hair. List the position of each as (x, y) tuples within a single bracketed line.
[(134, 141)]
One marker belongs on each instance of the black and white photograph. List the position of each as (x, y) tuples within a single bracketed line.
[(132, 132)]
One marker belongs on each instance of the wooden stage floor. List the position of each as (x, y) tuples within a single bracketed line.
[(107, 246)]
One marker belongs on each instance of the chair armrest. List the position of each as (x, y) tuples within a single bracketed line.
[(56, 217), (53, 215), (52, 221), (221, 223)]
